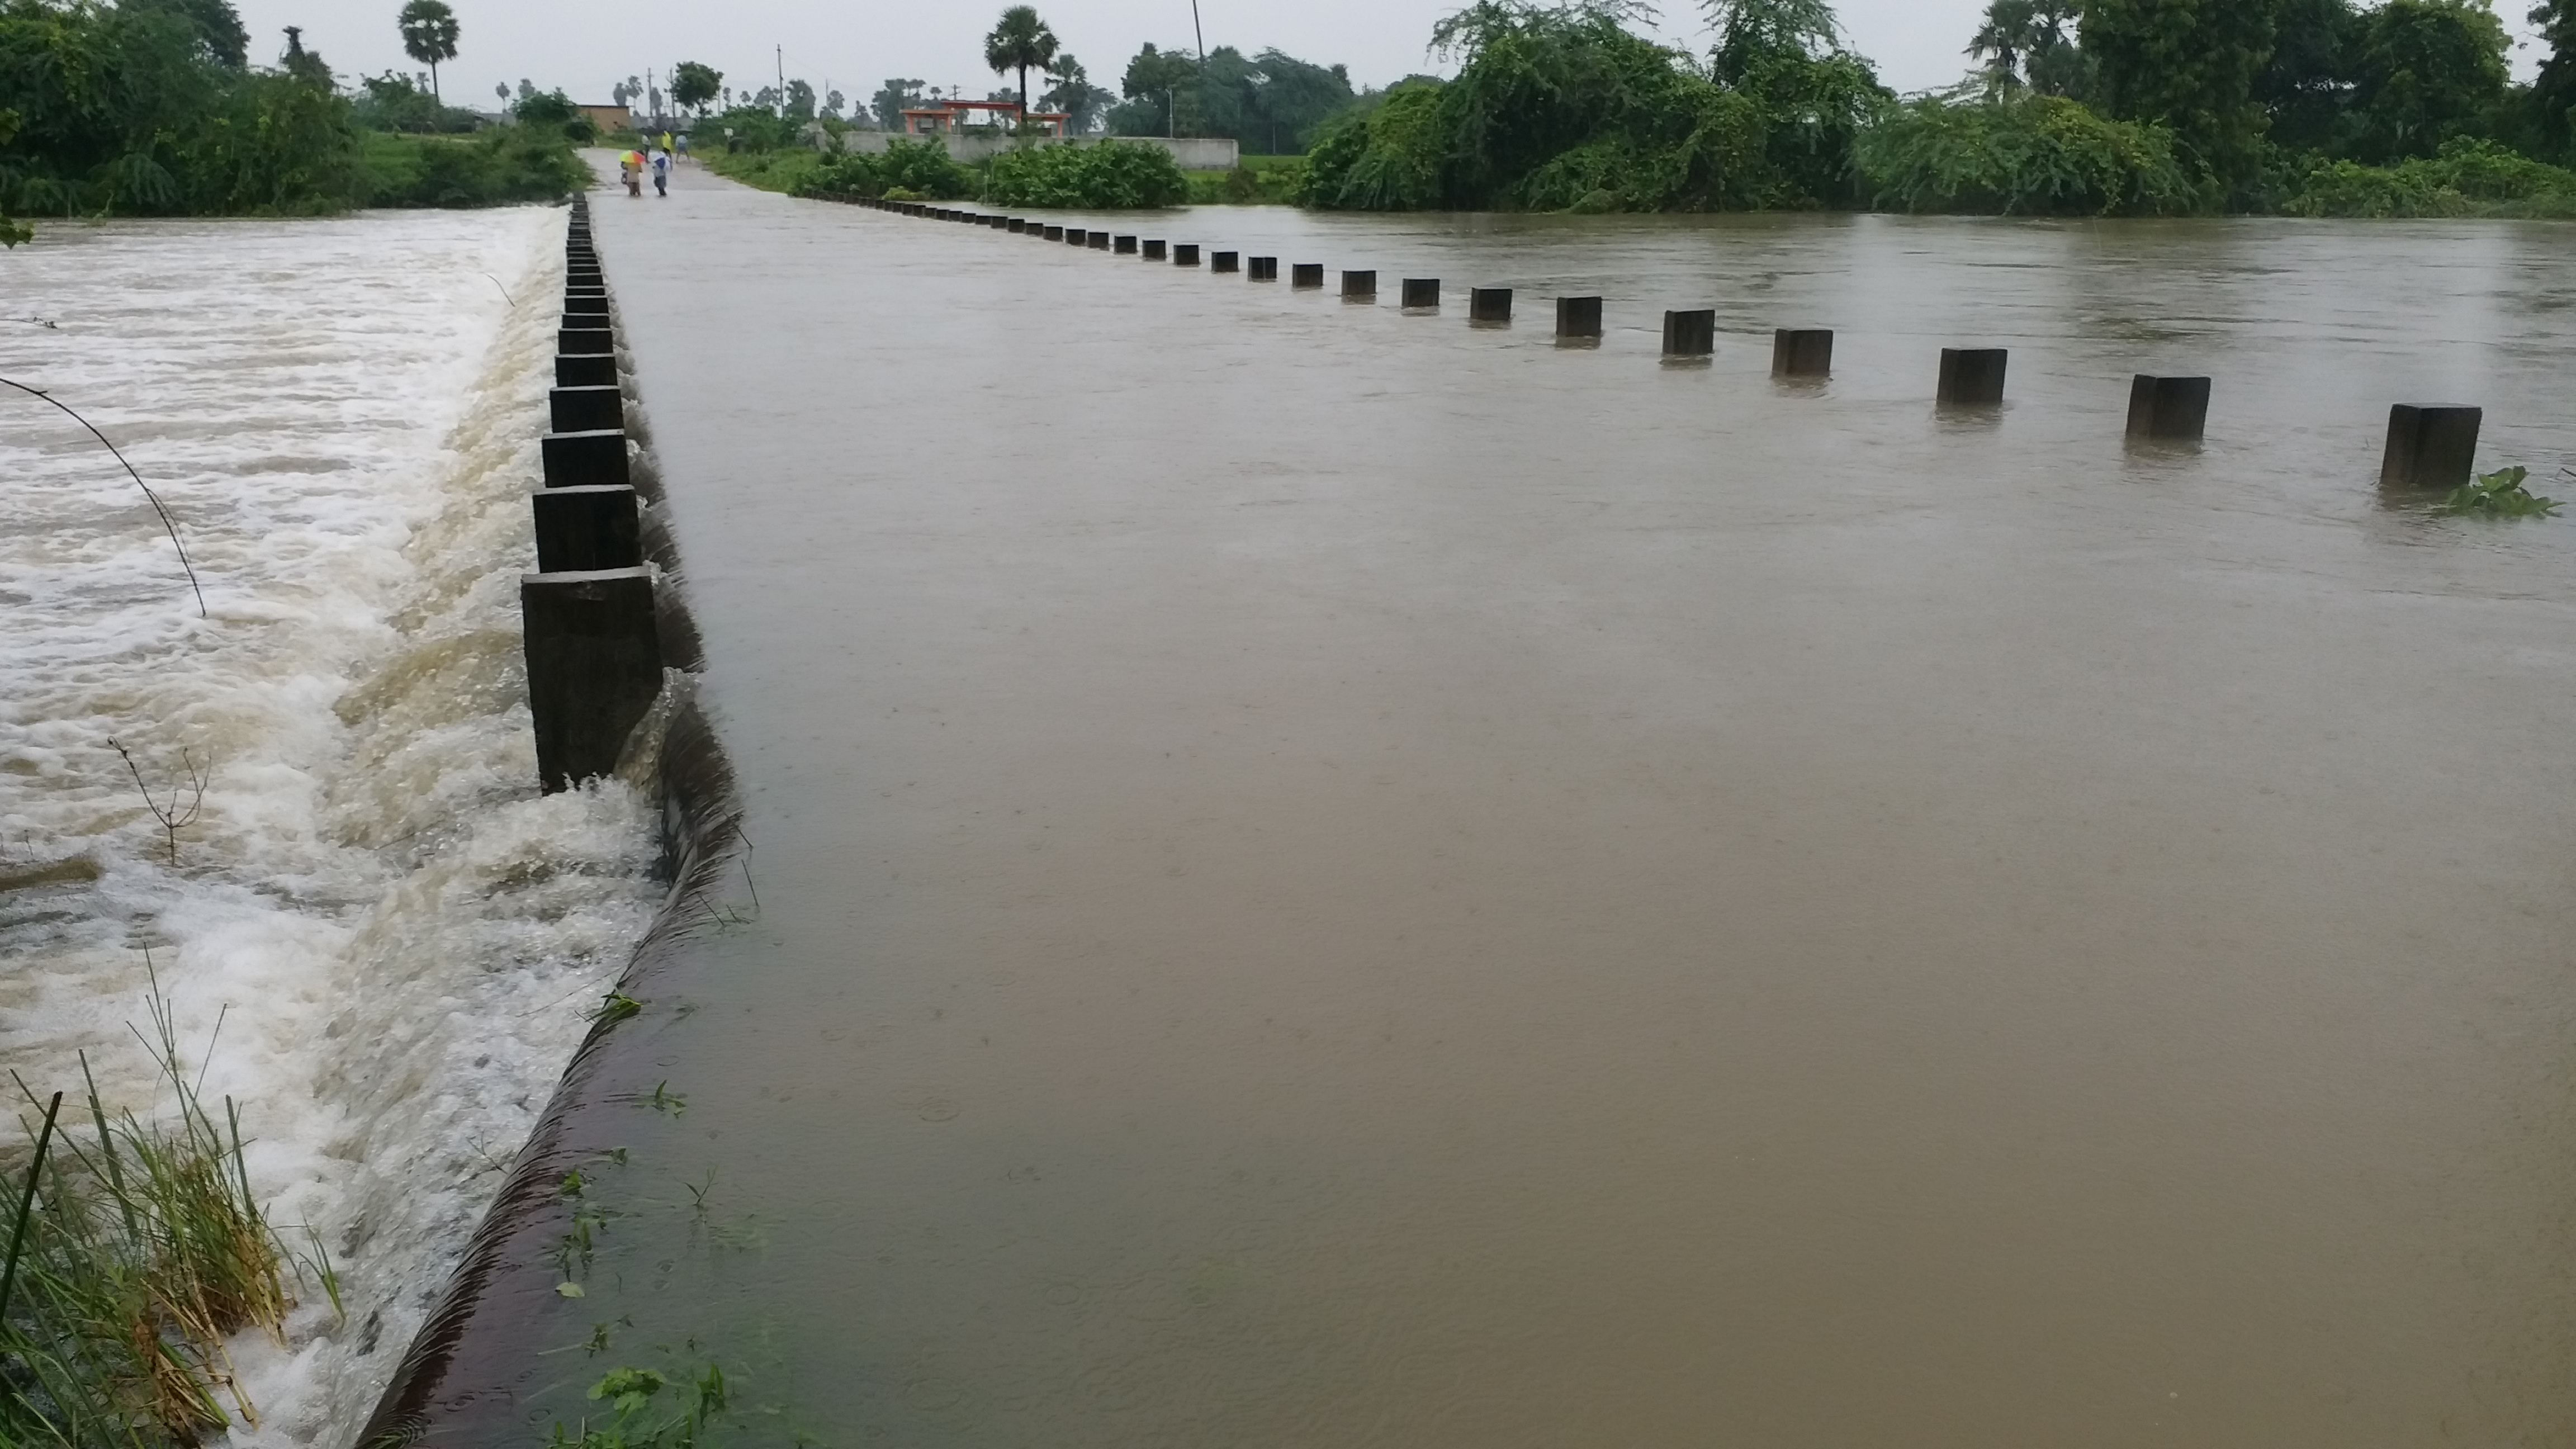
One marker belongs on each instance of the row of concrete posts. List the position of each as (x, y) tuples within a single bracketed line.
[(2428, 446), (594, 643)]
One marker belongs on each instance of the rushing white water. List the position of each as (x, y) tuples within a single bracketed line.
[(401, 937)]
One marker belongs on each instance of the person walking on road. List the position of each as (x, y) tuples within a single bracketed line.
[(630, 168), (662, 173)]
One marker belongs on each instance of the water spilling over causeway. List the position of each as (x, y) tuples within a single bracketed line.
[(400, 939), (1327, 876)]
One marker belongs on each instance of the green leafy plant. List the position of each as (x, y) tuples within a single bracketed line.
[(2501, 495), (1105, 176), (634, 1397), (2036, 155), (2467, 178)]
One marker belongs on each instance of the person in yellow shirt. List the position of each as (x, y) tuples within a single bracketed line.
[(666, 143)]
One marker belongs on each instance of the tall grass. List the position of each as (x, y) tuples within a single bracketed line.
[(141, 1252)]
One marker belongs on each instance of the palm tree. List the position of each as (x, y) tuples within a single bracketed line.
[(2019, 39), (1020, 41), (429, 32), (2001, 42)]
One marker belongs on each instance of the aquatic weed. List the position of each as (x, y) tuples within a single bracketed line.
[(2501, 495)]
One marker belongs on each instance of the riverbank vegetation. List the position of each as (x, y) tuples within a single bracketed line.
[(151, 108), (2103, 107), (1107, 175), (135, 1250), (1101, 176)]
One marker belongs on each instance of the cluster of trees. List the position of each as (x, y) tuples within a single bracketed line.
[(2249, 83), (152, 107), (2078, 106), (1270, 104), (1565, 107)]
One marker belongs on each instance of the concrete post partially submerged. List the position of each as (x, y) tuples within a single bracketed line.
[(1972, 376), (1098, 241), (2168, 409), (1578, 316), (585, 339), (1125, 246), (1224, 262), (1156, 251), (583, 460), (1690, 333), (2431, 446), (1075, 236), (1018, 225), (591, 527), (1489, 304), (594, 652), (1052, 233), (1797, 352), (1185, 254), (1422, 292), (1261, 269), (1306, 274), (1356, 285), (586, 409)]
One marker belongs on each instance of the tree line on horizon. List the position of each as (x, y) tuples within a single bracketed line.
[(2101, 107), (154, 108), (2326, 107)]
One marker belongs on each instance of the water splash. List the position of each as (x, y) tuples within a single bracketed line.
[(407, 935)]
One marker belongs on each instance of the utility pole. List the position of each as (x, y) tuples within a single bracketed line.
[(1201, 33), (782, 79)]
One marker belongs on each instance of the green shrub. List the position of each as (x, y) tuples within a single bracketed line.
[(2039, 156), (1104, 176), (2468, 178), (849, 174), (1386, 159), (1273, 185), (498, 167)]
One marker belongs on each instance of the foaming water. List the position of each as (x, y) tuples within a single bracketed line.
[(400, 937)]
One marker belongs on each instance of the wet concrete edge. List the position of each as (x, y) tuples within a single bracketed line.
[(478, 1350)]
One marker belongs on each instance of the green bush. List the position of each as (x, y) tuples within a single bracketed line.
[(2038, 156), (924, 169), (1274, 185), (498, 167), (848, 174), (2468, 178), (1104, 176), (749, 128)]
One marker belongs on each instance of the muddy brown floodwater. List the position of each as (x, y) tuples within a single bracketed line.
[(1331, 877)]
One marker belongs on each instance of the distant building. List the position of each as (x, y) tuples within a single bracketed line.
[(955, 118), (609, 119)]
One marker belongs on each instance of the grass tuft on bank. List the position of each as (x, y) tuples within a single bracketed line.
[(135, 1250)]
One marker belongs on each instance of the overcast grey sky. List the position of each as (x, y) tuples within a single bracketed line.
[(586, 46)]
